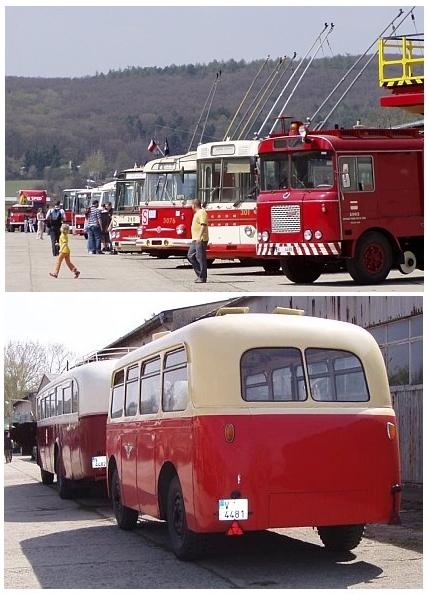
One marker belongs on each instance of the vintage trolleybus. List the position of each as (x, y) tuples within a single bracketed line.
[(71, 427), (127, 208), (166, 213), (351, 197), (293, 426), (227, 179)]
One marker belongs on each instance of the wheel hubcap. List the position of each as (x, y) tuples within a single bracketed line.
[(373, 258)]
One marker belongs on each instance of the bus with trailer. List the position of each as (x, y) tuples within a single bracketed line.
[(127, 207), (166, 214), (352, 198), (228, 185), (27, 205), (71, 427), (292, 427)]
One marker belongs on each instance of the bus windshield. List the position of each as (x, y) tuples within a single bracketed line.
[(129, 194), (227, 180), (83, 201), (301, 169), (170, 187)]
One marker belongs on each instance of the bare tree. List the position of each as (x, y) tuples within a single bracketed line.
[(26, 362)]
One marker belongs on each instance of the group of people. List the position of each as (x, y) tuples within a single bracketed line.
[(97, 227), (39, 220)]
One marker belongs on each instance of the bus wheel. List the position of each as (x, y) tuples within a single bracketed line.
[(299, 269), (47, 477), (372, 261), (186, 545), (63, 484), (126, 518), (341, 538)]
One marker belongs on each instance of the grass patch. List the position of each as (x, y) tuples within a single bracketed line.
[(12, 187)]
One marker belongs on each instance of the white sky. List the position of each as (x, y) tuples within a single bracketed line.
[(77, 40), (85, 322)]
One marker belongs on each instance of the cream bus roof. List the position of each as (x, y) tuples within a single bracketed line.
[(215, 346), (93, 381)]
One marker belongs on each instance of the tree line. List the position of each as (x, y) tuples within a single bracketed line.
[(65, 130)]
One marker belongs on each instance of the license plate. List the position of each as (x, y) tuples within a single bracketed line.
[(285, 250), (233, 509), (99, 461)]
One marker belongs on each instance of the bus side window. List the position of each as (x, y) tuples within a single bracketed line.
[(67, 400), (175, 381), (75, 403), (132, 391), (117, 404), (150, 387), (60, 391)]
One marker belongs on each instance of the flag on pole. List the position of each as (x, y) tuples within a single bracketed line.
[(166, 148), (152, 146)]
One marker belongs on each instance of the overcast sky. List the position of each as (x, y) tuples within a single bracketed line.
[(75, 41), (85, 322)]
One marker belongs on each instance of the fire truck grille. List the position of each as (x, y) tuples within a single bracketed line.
[(285, 218)]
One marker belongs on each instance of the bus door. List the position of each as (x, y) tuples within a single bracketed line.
[(358, 200), (150, 402), (129, 431)]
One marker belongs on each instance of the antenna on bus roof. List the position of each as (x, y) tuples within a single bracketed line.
[(289, 311), (222, 311), (290, 79), (323, 122), (210, 99)]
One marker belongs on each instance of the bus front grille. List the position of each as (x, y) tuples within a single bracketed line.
[(285, 218)]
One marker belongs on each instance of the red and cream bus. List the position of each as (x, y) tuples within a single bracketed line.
[(349, 197), (166, 214), (228, 185), (292, 427), (71, 427), (127, 208)]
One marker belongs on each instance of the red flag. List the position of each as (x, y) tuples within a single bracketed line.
[(152, 146)]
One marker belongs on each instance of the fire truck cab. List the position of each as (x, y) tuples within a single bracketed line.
[(348, 197), (29, 201)]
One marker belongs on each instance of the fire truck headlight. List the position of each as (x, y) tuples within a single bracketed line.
[(307, 234), (249, 231), (318, 234), (180, 229), (265, 236)]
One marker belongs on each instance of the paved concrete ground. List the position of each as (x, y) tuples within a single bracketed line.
[(28, 262), (56, 543)]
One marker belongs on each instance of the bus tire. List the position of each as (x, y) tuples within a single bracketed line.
[(372, 261), (47, 477), (301, 270), (126, 518), (186, 544), (341, 538), (63, 484)]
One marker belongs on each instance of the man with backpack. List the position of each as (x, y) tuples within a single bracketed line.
[(54, 220)]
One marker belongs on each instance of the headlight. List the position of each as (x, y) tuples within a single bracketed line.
[(318, 234), (180, 229), (259, 236), (249, 231), (139, 231), (265, 236), (307, 234)]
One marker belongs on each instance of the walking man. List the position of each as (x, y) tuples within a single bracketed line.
[(199, 241)]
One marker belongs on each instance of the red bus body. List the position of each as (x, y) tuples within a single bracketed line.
[(295, 463), (29, 201), (354, 197), (166, 214), (71, 426)]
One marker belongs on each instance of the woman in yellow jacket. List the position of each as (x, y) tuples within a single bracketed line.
[(64, 253)]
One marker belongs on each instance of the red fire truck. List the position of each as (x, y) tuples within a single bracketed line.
[(349, 197), (29, 201)]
